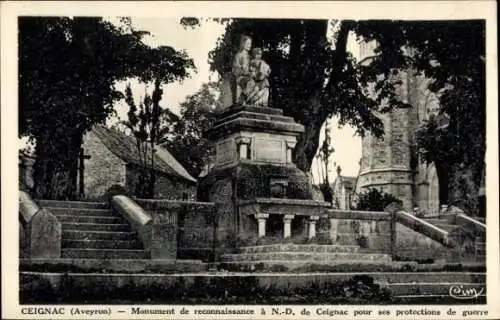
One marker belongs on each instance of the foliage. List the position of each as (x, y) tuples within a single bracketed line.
[(327, 191), (198, 112), (68, 68), (314, 77), (146, 125), (452, 54), (374, 200)]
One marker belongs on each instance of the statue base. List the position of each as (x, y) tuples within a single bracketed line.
[(252, 159)]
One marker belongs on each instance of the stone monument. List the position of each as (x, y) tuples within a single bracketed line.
[(252, 146)]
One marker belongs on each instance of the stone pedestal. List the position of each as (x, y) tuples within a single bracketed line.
[(252, 158)]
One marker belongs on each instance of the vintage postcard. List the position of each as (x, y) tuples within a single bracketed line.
[(249, 160)]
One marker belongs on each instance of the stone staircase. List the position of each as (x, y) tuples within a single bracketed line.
[(449, 223), (91, 230), (291, 256), (100, 250)]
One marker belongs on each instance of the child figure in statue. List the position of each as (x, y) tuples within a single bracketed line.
[(258, 94)]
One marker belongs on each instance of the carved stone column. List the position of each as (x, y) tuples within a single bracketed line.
[(243, 144), (261, 219), (312, 226), (289, 151), (287, 225)]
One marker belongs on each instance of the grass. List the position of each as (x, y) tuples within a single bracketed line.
[(223, 290)]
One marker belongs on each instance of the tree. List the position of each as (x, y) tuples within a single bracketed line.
[(324, 156), (67, 71), (198, 112), (453, 55), (150, 125), (314, 77), (374, 200)]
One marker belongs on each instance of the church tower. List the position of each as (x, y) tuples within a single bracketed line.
[(390, 164)]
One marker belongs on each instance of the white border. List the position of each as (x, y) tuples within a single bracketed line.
[(406, 10)]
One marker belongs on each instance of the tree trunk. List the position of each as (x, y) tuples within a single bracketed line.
[(308, 142), (444, 183)]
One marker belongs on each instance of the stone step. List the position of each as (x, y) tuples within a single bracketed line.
[(95, 226), (74, 253), (351, 239), (98, 235), (102, 244), (82, 212), (165, 287), (301, 266), (432, 288), (435, 299), (112, 265), (310, 256), (73, 204), (91, 219), (298, 248)]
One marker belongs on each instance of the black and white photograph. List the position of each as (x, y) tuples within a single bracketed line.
[(232, 161)]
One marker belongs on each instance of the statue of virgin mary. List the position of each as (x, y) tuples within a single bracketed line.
[(235, 83)]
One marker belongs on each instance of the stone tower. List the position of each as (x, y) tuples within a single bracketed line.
[(390, 164)]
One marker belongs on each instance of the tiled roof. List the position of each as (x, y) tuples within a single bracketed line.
[(125, 147)]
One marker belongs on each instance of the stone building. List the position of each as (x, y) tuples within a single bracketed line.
[(343, 190), (111, 158), (390, 164)]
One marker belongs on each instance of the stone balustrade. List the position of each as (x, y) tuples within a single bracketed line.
[(40, 230), (261, 208), (196, 228)]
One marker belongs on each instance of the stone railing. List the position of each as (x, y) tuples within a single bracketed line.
[(40, 231), (463, 219), (302, 213), (358, 215), (140, 220), (368, 229), (194, 227), (421, 226), (417, 237)]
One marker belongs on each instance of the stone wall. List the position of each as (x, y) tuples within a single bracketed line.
[(411, 245), (194, 225), (374, 235), (103, 170), (372, 232)]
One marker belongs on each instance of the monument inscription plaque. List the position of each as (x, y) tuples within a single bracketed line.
[(269, 150), (226, 152)]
